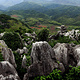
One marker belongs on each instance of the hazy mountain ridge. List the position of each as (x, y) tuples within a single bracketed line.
[(2, 7), (24, 6), (64, 2), (41, 2)]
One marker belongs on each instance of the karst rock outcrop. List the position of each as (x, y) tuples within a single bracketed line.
[(7, 71), (22, 51), (43, 60), (24, 62), (7, 53), (64, 54), (77, 55)]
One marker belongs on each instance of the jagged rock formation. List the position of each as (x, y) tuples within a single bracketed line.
[(22, 51), (77, 54), (43, 60), (64, 54), (24, 62), (1, 34), (63, 29), (74, 35), (32, 35), (7, 53), (7, 71)]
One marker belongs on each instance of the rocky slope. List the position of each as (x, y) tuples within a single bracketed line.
[(44, 58)]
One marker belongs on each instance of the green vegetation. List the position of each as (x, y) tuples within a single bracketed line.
[(21, 71), (10, 24), (13, 40), (73, 74), (1, 57), (43, 35), (63, 39), (55, 75), (64, 14)]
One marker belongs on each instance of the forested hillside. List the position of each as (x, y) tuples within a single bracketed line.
[(10, 24), (64, 14)]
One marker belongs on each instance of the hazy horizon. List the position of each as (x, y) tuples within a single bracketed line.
[(8, 3)]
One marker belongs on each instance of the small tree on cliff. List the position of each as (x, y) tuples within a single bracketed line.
[(43, 35)]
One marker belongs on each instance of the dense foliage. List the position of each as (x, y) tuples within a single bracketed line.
[(1, 57), (13, 40), (21, 71), (10, 24), (73, 74), (43, 35)]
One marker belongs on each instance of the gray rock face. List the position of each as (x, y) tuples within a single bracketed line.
[(33, 35), (26, 77), (22, 51), (43, 60), (7, 71), (61, 53), (42, 51), (28, 34), (77, 54), (1, 34), (74, 35), (7, 53), (63, 29), (64, 54), (24, 62)]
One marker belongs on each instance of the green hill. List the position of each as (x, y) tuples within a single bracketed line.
[(25, 6), (10, 24)]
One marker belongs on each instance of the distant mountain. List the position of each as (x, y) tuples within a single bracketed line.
[(70, 11), (26, 6), (64, 2), (2, 7), (67, 2), (8, 3)]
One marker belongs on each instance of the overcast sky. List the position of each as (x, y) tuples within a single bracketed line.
[(12, 2), (9, 2)]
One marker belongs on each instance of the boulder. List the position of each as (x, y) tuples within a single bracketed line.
[(63, 29), (73, 34), (29, 42), (22, 51), (25, 43), (25, 49), (1, 34), (24, 62), (28, 34), (7, 53), (7, 71), (32, 35)]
